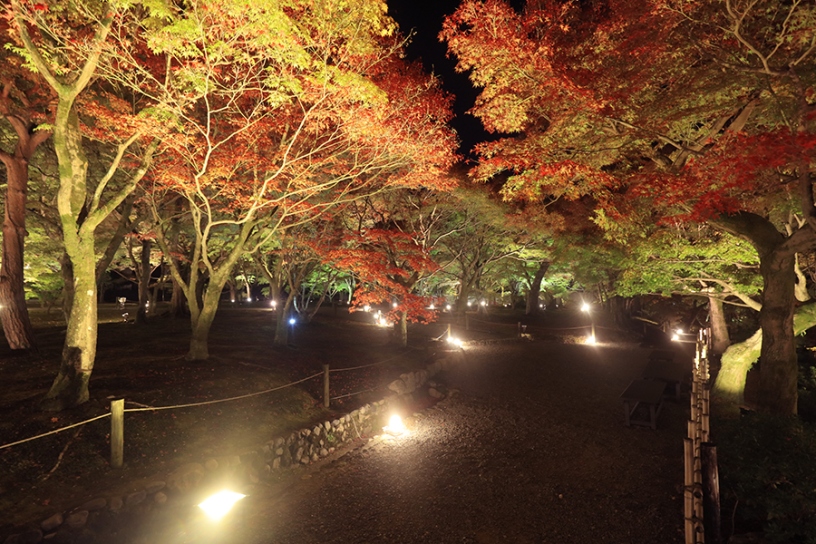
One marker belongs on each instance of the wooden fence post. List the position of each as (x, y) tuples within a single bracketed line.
[(711, 493), (449, 330), (326, 385), (117, 435)]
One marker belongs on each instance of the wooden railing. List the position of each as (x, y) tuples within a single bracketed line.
[(701, 489)]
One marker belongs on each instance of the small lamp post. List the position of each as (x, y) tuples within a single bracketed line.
[(587, 309)]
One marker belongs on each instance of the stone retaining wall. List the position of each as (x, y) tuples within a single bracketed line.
[(300, 447)]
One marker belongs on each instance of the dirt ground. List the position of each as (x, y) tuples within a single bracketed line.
[(145, 365)]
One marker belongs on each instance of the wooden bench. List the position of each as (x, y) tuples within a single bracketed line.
[(648, 393), (672, 374)]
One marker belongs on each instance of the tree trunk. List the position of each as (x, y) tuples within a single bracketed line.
[(282, 322), (178, 300), (729, 387), (201, 320), (144, 283), (70, 387), (778, 366), (719, 328), (13, 311), (401, 329), (535, 289)]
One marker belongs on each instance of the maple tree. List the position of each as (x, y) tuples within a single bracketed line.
[(66, 45), (278, 113), (687, 111)]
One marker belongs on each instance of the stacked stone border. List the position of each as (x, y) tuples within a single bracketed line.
[(300, 447)]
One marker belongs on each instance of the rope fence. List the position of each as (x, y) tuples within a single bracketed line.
[(117, 409)]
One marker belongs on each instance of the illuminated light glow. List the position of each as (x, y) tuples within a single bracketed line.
[(366, 308), (381, 321), (591, 340), (468, 303), (395, 305), (274, 303), (448, 307), (232, 300), (483, 303), (249, 300), (455, 341), (292, 321), (395, 426), (218, 505), (540, 305), (585, 307), (432, 307), (679, 331), (675, 337)]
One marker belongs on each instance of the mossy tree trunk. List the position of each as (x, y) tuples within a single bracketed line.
[(778, 363)]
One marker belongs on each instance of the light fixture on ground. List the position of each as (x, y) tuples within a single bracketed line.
[(395, 426), (217, 506), (455, 341), (586, 308)]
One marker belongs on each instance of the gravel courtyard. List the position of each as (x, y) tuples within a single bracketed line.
[(529, 446)]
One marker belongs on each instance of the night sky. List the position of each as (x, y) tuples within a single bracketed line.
[(424, 19)]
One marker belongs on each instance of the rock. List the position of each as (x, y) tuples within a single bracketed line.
[(52, 523), (324, 452), (305, 432), (304, 460), (398, 387), (279, 442), (327, 425), (116, 504), (211, 464), (315, 457), (154, 487), (279, 451), (316, 431), (410, 381), (341, 428), (298, 454), (335, 423), (135, 498), (276, 463), (160, 498), (434, 393), (77, 520), (185, 478)]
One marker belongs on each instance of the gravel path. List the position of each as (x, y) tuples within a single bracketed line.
[(530, 447)]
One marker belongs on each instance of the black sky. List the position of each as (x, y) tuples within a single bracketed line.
[(424, 19)]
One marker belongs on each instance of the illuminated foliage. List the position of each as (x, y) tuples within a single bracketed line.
[(700, 111)]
